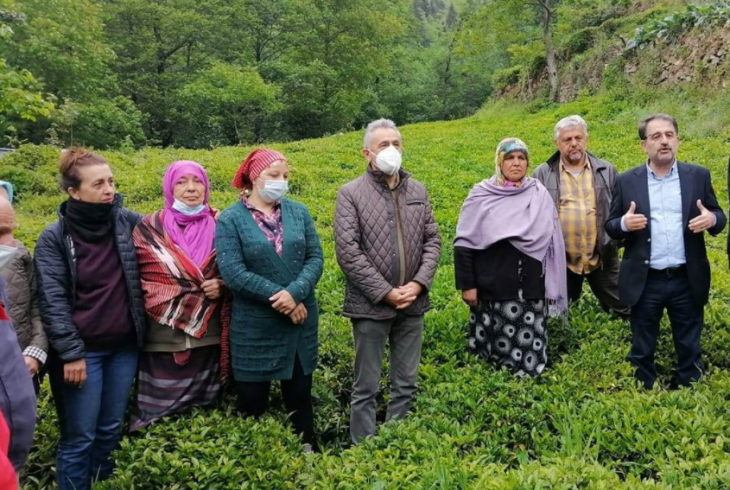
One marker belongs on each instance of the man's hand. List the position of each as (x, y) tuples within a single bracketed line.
[(299, 315), (213, 288), (704, 221), (632, 221), (74, 373), (32, 364), (470, 297), (415, 288), (400, 298), (283, 302)]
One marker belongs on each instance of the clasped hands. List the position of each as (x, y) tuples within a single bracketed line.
[(402, 297), (284, 303), (635, 222)]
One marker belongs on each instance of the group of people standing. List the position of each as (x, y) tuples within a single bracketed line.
[(188, 297), (525, 245)]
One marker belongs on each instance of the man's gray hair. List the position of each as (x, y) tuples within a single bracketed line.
[(378, 124), (570, 122)]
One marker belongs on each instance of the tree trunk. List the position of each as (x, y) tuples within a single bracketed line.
[(547, 37)]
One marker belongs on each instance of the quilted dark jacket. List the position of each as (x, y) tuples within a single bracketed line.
[(367, 248), (55, 263), (20, 280)]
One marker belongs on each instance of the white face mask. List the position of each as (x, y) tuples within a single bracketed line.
[(185, 209), (389, 160), (274, 190), (6, 254)]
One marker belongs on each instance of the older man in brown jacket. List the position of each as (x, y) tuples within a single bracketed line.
[(388, 245)]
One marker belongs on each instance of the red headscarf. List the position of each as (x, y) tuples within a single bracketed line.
[(256, 162)]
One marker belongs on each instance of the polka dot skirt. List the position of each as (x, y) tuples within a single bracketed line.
[(512, 334)]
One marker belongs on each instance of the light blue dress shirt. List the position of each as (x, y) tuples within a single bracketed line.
[(667, 230)]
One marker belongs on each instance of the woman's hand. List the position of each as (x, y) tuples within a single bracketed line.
[(283, 302), (213, 288), (74, 373), (470, 297), (299, 315)]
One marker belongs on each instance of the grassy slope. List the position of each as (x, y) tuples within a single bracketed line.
[(582, 425)]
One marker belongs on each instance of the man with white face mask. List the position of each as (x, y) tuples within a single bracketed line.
[(388, 246)]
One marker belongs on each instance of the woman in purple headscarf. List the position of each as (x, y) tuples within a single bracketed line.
[(509, 258), (181, 364)]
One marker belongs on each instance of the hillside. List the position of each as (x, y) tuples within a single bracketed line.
[(583, 424), (632, 45)]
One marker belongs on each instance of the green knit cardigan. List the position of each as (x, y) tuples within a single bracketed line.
[(264, 342)]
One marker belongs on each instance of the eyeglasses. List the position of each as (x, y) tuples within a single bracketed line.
[(657, 136)]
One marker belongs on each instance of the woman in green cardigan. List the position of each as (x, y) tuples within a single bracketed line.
[(270, 258)]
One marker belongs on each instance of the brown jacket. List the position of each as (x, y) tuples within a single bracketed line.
[(604, 176), (366, 243), (19, 275)]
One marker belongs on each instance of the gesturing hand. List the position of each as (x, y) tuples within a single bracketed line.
[(633, 221), (283, 302), (704, 221)]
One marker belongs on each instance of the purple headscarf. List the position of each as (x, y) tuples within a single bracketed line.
[(194, 234), (526, 216)]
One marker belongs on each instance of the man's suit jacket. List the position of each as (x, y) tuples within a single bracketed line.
[(633, 185)]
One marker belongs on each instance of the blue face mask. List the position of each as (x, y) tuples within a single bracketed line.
[(185, 209), (274, 190)]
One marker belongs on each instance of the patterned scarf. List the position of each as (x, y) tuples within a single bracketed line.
[(172, 282)]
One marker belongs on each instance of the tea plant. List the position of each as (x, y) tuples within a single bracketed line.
[(583, 424)]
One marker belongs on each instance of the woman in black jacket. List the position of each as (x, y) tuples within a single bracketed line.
[(509, 258), (91, 303)]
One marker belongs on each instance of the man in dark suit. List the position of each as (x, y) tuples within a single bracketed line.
[(661, 210)]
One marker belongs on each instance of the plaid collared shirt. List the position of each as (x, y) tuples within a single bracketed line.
[(577, 212)]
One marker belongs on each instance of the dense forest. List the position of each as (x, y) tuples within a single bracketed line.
[(209, 73)]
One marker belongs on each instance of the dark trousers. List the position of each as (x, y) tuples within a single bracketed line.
[(253, 400), (686, 317), (604, 284)]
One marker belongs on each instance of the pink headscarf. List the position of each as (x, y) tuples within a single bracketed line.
[(194, 234)]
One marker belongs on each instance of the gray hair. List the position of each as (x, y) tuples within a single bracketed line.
[(570, 122), (378, 124)]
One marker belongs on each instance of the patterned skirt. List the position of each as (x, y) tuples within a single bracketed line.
[(512, 334), (166, 386)]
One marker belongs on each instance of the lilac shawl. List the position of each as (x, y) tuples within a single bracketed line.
[(194, 234), (526, 216)]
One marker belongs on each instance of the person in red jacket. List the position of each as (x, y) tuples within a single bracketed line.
[(8, 478)]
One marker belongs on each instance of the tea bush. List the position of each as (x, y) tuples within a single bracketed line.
[(583, 425)]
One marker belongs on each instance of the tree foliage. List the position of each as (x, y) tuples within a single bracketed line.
[(158, 73)]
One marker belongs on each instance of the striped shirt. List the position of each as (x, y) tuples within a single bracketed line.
[(577, 212)]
